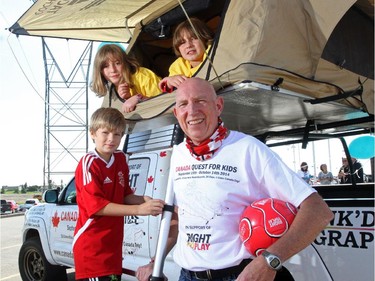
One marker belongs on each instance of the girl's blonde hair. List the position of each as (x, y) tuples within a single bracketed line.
[(204, 33), (109, 118), (113, 52)]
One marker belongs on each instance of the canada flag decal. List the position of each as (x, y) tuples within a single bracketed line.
[(55, 220), (150, 179), (163, 154)]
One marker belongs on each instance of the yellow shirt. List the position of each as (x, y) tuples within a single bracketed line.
[(182, 66), (145, 83)]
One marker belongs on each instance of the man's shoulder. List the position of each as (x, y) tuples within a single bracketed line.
[(239, 136)]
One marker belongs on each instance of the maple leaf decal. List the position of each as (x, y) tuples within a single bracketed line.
[(55, 220), (163, 154), (150, 179)]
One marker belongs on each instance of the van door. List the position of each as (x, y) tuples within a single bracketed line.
[(61, 224), (136, 250)]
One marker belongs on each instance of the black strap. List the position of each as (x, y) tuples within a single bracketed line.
[(169, 208), (220, 273), (275, 86)]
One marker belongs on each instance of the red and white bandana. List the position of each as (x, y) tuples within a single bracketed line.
[(206, 149)]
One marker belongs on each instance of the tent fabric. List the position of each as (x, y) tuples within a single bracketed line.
[(289, 36), (151, 108), (96, 20), (310, 47)]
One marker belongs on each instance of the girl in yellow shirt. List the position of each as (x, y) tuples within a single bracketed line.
[(117, 74)]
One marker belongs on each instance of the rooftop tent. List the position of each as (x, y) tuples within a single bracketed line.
[(320, 52), (109, 20), (317, 48)]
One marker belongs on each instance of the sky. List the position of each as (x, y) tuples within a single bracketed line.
[(21, 109), (22, 85)]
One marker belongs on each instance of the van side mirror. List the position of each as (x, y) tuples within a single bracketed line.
[(51, 196)]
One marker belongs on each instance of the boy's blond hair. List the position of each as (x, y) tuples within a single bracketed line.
[(112, 51), (109, 118), (204, 33)]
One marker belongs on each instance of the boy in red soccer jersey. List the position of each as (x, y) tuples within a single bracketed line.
[(104, 197)]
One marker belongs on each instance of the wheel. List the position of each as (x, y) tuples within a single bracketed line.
[(34, 266)]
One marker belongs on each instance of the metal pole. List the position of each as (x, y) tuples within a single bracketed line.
[(329, 155), (157, 273), (313, 150)]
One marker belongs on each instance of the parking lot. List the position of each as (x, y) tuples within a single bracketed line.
[(11, 241), (19, 198)]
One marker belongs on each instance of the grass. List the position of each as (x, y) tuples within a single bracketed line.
[(20, 198), (20, 193)]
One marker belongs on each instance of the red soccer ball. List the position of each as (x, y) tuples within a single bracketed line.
[(265, 221)]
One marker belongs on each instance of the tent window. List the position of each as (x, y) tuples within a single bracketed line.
[(153, 47), (351, 44)]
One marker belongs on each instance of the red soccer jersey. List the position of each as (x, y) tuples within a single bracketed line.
[(97, 244)]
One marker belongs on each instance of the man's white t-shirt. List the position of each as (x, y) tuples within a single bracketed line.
[(211, 196)]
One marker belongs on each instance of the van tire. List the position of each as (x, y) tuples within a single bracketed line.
[(33, 264)]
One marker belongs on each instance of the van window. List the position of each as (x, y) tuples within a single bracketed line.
[(70, 194), (327, 151)]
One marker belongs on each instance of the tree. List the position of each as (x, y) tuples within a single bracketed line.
[(24, 188)]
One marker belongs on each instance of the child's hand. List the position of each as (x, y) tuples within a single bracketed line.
[(168, 83), (123, 90), (152, 207), (130, 104)]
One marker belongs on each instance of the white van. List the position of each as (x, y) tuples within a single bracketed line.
[(343, 251)]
